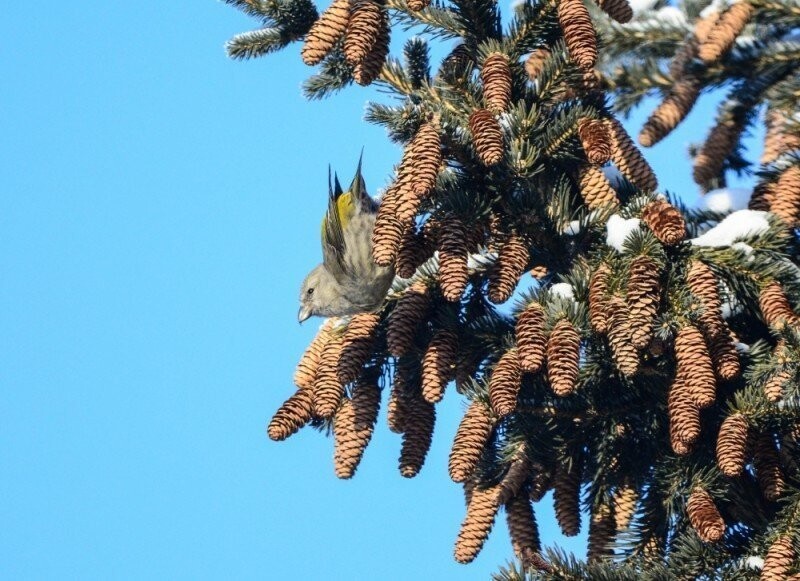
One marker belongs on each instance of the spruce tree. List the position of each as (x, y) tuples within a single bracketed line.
[(637, 358)]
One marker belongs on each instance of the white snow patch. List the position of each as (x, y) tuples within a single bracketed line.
[(619, 229), (563, 290), (480, 261), (744, 248), (741, 224), (573, 228), (715, 6), (726, 199), (517, 4), (641, 6), (742, 348), (754, 562), (670, 15)]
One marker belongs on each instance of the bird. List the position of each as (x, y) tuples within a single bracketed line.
[(347, 281)]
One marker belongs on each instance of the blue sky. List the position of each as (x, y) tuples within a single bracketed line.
[(159, 206)]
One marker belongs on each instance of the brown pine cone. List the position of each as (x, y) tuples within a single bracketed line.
[(619, 10), (704, 516), (694, 366), (768, 467), (595, 187), (328, 390), (684, 415), (578, 33), (566, 499), (293, 414), (541, 482), (411, 254), (522, 525), (531, 339), (775, 307), (732, 445), (387, 232), (644, 296), (783, 198), (425, 158), (595, 138), (535, 62), (505, 383), (398, 401), (723, 34), (363, 29), (725, 356), (563, 354), (496, 78), (671, 111), (779, 559), (773, 387), (680, 447), (703, 284), (471, 437), (519, 470), (625, 499), (602, 530), (357, 342), (438, 364), (453, 255), (598, 289), (778, 140), (620, 336), (403, 198), (486, 136), (481, 512), (370, 68), (353, 425), (628, 159), (665, 220), (325, 32), (508, 268), (710, 159), (409, 311), (306, 373), (417, 435), (417, 5)]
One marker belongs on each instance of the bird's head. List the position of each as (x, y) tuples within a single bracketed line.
[(320, 295)]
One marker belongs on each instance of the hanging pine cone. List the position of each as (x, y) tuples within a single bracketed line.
[(481, 512), (397, 408), (628, 159), (566, 499), (783, 198), (426, 158), (471, 437), (486, 136), (598, 289), (522, 525), (595, 187), (357, 342), (541, 482), (704, 516), (723, 34), (438, 364), (777, 140), (411, 254), (732, 445), (531, 339), (353, 425), (725, 356), (293, 414), (665, 220), (534, 64), (620, 337), (671, 111), (387, 233), (496, 78), (721, 141), (401, 196), (703, 284), (417, 5), (694, 366), (453, 254), (578, 33), (325, 32), (508, 268), (505, 383), (519, 470), (418, 424), (684, 415), (680, 447), (595, 139), (779, 559), (619, 10), (602, 530), (328, 390), (369, 69), (363, 29), (563, 354), (408, 313), (768, 467), (625, 499), (775, 307), (306, 373), (643, 293), (773, 387)]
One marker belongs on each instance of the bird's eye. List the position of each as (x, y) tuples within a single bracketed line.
[(310, 292)]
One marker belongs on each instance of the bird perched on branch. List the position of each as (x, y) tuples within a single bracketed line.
[(348, 281)]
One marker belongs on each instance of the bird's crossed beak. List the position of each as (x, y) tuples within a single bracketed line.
[(303, 314)]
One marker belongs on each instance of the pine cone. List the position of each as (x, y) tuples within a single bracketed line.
[(519, 470), (598, 289), (732, 445), (684, 415), (719, 144), (703, 284), (665, 220), (680, 447), (578, 33), (438, 364), (453, 254), (363, 29), (628, 159), (306, 373), (644, 296), (625, 499), (531, 339), (620, 337), (534, 64), (387, 233), (401, 196), (325, 32), (507, 269), (426, 158), (725, 357), (783, 198), (777, 140), (775, 306), (417, 5), (408, 313), (619, 10), (486, 136), (563, 354), (723, 34), (566, 499), (541, 482), (477, 525), (411, 254), (780, 558), (293, 414), (602, 530), (595, 187), (704, 516), (595, 137), (522, 525), (397, 408), (471, 437), (773, 387), (768, 467), (694, 366), (671, 111), (353, 426), (417, 435), (370, 68), (328, 390), (357, 344), (496, 77), (505, 383)]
